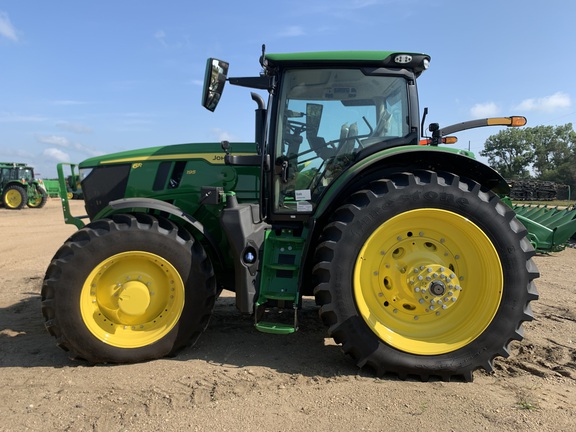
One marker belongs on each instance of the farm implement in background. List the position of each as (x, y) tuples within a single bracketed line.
[(549, 228)]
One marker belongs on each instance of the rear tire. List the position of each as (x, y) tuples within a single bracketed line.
[(14, 197), (425, 274), (128, 289)]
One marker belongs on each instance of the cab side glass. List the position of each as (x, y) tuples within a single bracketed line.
[(214, 80)]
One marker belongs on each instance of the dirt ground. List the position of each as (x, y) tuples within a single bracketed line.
[(237, 379)]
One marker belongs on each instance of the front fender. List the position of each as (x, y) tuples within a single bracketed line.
[(146, 204)]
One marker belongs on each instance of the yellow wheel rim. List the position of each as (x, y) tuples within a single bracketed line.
[(35, 201), (132, 299), (13, 198), (428, 281)]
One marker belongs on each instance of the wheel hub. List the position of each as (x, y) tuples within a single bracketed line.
[(134, 298), (435, 288)]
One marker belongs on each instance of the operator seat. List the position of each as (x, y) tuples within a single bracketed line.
[(383, 124), (347, 141)]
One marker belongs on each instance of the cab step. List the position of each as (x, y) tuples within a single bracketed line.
[(279, 279)]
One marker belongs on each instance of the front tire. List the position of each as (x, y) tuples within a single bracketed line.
[(14, 197), (128, 289), (39, 199), (425, 274)]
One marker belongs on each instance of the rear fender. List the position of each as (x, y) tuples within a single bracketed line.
[(409, 158)]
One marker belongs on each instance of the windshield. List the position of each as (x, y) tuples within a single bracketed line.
[(16, 173), (327, 116)]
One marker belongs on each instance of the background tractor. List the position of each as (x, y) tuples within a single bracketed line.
[(18, 187), (417, 265)]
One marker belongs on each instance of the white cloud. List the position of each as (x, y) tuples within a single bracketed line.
[(86, 149), (482, 110), (292, 31), (53, 140), (74, 127), (61, 141), (6, 28), (160, 36), (6, 117), (339, 7), (67, 102), (550, 103), (222, 135), (56, 155), (360, 4), (8, 152)]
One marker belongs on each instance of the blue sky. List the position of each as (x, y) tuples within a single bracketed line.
[(78, 79)]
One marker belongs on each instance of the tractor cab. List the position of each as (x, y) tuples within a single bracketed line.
[(325, 112)]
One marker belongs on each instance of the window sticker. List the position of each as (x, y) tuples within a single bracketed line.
[(304, 206), (303, 195)]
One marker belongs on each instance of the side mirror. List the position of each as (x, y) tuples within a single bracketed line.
[(214, 80)]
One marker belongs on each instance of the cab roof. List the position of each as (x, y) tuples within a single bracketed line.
[(417, 62)]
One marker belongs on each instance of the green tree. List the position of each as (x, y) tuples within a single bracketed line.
[(510, 153), (554, 149), (541, 152)]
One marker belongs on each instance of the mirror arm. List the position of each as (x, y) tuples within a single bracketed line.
[(259, 82)]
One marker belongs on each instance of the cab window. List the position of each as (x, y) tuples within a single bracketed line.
[(326, 117)]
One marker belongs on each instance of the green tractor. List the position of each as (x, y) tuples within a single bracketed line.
[(18, 186), (417, 265)]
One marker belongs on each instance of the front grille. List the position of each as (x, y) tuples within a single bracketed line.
[(104, 184)]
